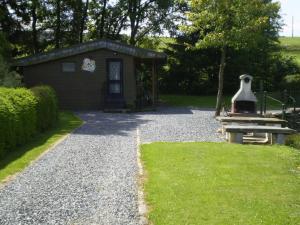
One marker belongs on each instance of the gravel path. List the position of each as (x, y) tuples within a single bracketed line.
[(180, 124), (90, 177)]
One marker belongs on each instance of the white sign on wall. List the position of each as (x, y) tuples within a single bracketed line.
[(88, 65)]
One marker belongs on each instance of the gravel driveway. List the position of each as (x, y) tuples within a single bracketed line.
[(90, 177)]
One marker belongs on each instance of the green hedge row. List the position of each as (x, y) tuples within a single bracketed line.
[(47, 109), (24, 113)]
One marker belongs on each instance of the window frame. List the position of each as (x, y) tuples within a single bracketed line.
[(62, 67)]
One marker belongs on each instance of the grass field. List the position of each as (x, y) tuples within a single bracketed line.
[(291, 47), (17, 160), (205, 101), (194, 101), (220, 183)]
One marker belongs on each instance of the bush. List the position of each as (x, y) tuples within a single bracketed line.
[(23, 113), (17, 117), (293, 141), (23, 104), (8, 124), (8, 78), (47, 110)]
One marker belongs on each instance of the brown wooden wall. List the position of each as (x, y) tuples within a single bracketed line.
[(82, 90)]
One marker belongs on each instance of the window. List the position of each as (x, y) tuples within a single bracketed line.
[(114, 70), (68, 67)]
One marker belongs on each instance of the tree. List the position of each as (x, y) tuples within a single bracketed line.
[(36, 12), (231, 24), (107, 19), (83, 21), (148, 16), (189, 71), (4, 47), (13, 18), (74, 16), (99, 14), (8, 78), (58, 23)]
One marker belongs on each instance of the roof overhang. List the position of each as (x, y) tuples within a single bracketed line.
[(88, 47)]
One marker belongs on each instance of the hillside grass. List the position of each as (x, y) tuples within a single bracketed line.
[(291, 47), (221, 183)]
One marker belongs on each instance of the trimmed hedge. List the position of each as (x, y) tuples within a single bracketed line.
[(23, 113), (47, 109)]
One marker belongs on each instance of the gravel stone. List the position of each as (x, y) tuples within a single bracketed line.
[(91, 176), (180, 125)]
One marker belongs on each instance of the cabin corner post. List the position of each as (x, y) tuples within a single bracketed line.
[(154, 82)]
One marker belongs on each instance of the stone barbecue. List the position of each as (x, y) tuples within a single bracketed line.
[(244, 101)]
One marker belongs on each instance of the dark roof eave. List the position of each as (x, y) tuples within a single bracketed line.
[(87, 47)]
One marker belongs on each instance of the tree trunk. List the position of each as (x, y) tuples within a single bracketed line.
[(33, 26), (133, 11), (221, 81), (103, 15), (82, 25), (58, 24)]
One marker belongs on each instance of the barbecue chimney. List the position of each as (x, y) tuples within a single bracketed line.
[(244, 101)]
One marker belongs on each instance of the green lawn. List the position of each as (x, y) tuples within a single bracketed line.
[(205, 101), (192, 100), (220, 183), (291, 47), (17, 160)]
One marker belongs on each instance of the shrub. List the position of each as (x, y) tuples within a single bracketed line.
[(8, 78), (7, 122), (293, 141), (18, 117), (23, 113), (47, 110), (24, 105)]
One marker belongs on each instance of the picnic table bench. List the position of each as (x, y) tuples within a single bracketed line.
[(236, 132), (256, 120)]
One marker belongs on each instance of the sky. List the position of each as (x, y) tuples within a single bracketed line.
[(290, 8)]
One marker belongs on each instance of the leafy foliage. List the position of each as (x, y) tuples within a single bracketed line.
[(235, 24), (47, 110), (35, 25), (232, 24), (18, 117), (21, 116), (5, 46), (292, 81), (8, 78), (189, 70)]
